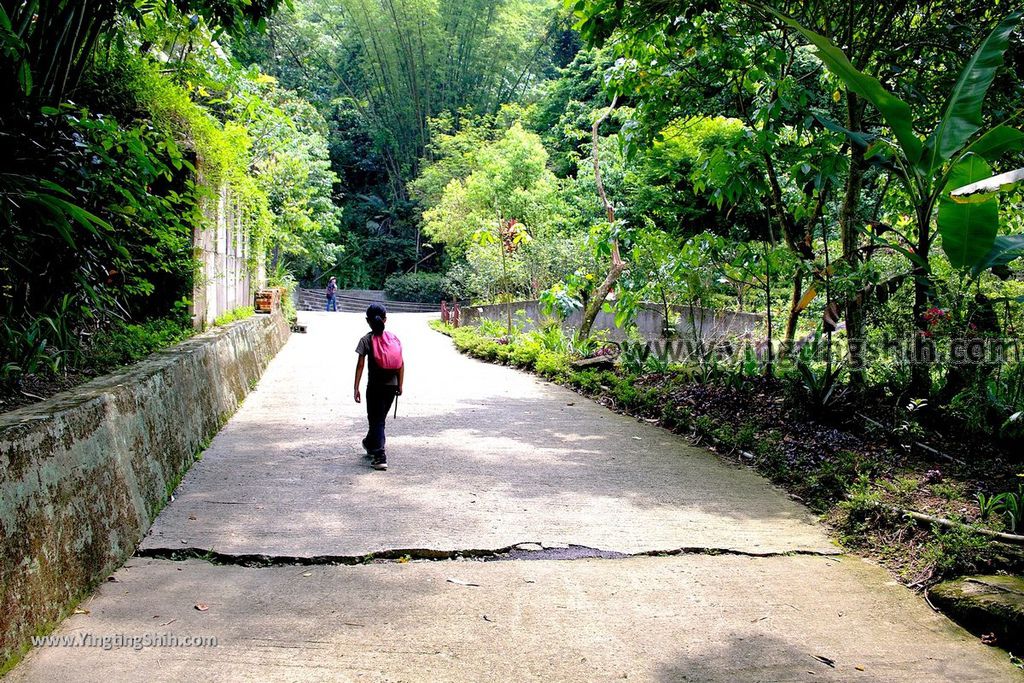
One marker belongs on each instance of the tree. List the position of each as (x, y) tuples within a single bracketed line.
[(783, 164), (291, 164), (47, 45), (509, 198), (401, 63), (885, 40), (616, 264), (510, 178), (955, 153)]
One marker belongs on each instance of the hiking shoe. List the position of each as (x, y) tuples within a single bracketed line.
[(380, 462)]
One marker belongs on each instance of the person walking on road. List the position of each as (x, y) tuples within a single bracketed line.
[(332, 288), (386, 376)]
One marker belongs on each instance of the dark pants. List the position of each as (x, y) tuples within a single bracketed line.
[(331, 304), (379, 398)]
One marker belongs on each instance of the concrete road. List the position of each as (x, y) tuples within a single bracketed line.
[(689, 618), (483, 458)]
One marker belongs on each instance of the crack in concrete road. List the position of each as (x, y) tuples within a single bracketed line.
[(507, 554)]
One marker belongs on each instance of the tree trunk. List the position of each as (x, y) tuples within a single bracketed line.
[(794, 312), (799, 237), (666, 330), (849, 236), (275, 256), (416, 265), (504, 276), (595, 303), (594, 307), (770, 351), (922, 348)]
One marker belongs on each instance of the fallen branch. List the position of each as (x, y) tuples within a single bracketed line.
[(1012, 539)]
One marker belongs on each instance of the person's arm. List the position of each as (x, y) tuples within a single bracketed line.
[(359, 376), (401, 378)]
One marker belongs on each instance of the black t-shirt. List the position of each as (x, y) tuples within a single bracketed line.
[(376, 375)]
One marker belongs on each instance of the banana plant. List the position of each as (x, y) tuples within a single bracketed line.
[(955, 154), (988, 186), (1005, 248)]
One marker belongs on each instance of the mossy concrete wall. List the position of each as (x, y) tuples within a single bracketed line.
[(83, 474)]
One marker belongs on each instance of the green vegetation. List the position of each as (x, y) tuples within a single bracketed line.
[(125, 343), (240, 313), (546, 352), (379, 73), (121, 141), (420, 287), (860, 485)]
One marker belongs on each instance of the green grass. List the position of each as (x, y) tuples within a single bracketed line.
[(959, 550), (950, 492), (240, 313)]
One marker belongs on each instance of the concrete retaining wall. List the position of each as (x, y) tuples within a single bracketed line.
[(649, 320), (83, 474)]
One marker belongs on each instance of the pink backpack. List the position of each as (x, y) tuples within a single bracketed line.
[(387, 351)]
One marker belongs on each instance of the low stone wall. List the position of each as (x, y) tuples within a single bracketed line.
[(83, 474), (649, 320)]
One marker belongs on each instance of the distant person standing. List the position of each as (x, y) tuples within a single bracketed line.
[(383, 352), (332, 288)]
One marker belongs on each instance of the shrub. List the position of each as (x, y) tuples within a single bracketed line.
[(552, 338), (675, 417), (128, 343), (493, 328), (442, 327), (834, 478), (959, 550), (861, 511), (970, 408), (704, 425), (240, 313), (768, 445), (587, 381), (468, 340), (488, 349), (625, 395), (524, 351), (746, 436), (552, 364), (503, 352), (427, 288)]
